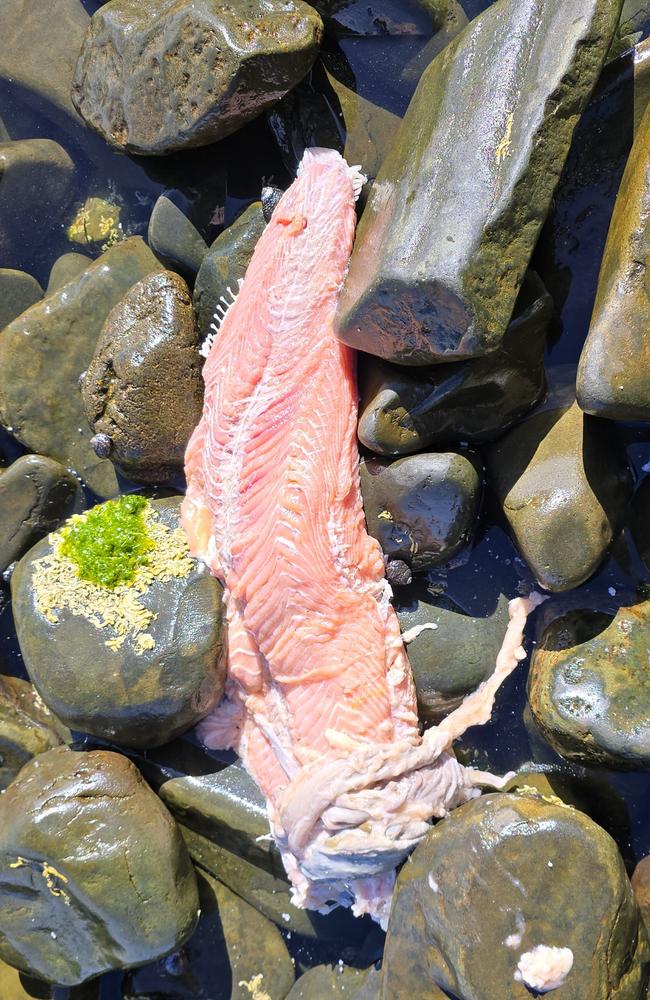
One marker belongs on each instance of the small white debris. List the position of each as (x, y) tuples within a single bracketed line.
[(514, 940), (611, 591), (285, 916), (53, 935), (432, 882), (413, 633), (544, 968), (550, 864)]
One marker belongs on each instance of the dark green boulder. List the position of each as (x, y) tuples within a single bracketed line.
[(421, 509), (36, 495), (589, 688), (174, 239), (451, 652), (155, 76), (45, 350), (500, 877), (459, 202), (561, 480), (27, 727), (404, 410), (224, 265), (143, 391), (94, 872), (613, 375), (136, 664)]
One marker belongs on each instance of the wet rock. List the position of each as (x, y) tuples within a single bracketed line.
[(149, 676), (588, 687), (65, 268), (403, 411), (326, 981), (331, 113), (421, 509), (36, 178), (223, 64), (18, 291), (453, 653), (612, 375), (633, 26), (454, 21), (496, 879), (225, 264), (143, 390), (639, 522), (36, 496), (229, 809), (75, 904), (563, 486), (357, 17), (270, 894), (512, 86), (96, 221), (233, 944), (174, 239), (41, 63), (641, 885), (27, 728), (43, 352)]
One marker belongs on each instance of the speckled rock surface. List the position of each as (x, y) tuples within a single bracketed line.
[(421, 509), (27, 727), (18, 291), (589, 689), (561, 480), (452, 658), (223, 64), (613, 379), (641, 885), (36, 495), (326, 982), (404, 410), (497, 878), (225, 264), (118, 900), (480, 150), (143, 388), (136, 697), (44, 351)]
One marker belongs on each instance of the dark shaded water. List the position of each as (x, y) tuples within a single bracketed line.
[(214, 184)]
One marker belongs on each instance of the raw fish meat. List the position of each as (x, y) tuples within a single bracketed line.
[(320, 700)]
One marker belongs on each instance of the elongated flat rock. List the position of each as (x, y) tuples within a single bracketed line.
[(458, 204), (614, 372)]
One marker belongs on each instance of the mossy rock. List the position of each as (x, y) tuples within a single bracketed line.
[(168, 670), (223, 65), (77, 902), (561, 479), (459, 202), (496, 879), (613, 379), (588, 686)]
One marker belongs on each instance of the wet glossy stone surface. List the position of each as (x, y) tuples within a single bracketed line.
[(27, 727), (18, 291), (115, 901)]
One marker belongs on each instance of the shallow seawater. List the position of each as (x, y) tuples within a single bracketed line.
[(212, 185)]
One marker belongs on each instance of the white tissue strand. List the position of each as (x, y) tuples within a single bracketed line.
[(543, 968)]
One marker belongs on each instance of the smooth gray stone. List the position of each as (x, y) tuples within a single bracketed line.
[(174, 239), (18, 291)]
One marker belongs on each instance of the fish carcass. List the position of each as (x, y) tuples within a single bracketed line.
[(320, 699)]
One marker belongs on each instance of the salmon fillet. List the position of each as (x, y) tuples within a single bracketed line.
[(320, 702)]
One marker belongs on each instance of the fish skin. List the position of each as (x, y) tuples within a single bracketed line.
[(320, 701)]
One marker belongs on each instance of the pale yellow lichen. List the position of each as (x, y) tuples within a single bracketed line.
[(119, 610), (503, 148), (49, 873), (96, 220), (254, 987)]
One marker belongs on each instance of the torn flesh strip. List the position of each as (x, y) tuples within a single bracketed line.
[(320, 701), (544, 968)]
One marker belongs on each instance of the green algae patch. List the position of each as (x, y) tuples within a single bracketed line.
[(110, 542), (103, 563)]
